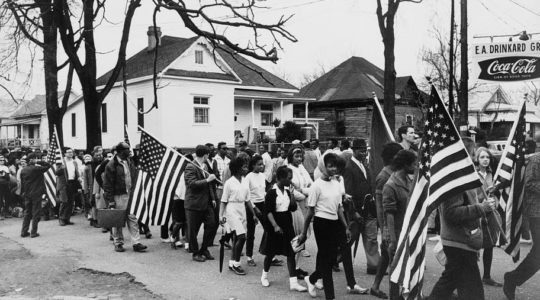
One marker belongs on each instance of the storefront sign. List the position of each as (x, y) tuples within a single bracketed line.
[(509, 61)]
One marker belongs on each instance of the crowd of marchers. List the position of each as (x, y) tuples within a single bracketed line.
[(296, 193)]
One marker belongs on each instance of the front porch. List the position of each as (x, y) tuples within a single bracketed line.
[(262, 112), (20, 133)]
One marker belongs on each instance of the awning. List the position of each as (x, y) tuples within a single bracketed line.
[(269, 96), (35, 121), (508, 117)]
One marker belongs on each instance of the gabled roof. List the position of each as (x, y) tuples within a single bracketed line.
[(141, 65), (33, 107), (489, 98), (355, 78), (7, 107)]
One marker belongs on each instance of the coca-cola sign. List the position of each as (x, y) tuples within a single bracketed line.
[(510, 68)]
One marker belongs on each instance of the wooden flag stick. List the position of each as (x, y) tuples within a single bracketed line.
[(188, 160), (383, 117)]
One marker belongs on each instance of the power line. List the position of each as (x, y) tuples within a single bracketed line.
[(496, 16), (525, 8)]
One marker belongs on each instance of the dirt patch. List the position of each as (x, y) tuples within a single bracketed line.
[(22, 274)]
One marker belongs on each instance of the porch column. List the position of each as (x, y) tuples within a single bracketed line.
[(281, 112), (307, 111), (252, 113)]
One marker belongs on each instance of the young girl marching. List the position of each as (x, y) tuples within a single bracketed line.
[(234, 202), (279, 232)]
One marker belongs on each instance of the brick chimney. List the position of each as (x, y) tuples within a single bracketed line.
[(152, 38)]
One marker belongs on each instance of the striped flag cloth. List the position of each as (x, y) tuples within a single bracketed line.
[(445, 170), (53, 156), (158, 177), (510, 175)]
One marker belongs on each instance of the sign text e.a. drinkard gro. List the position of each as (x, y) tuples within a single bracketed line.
[(508, 61)]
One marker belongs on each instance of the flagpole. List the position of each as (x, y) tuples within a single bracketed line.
[(188, 160), (383, 117), (61, 155)]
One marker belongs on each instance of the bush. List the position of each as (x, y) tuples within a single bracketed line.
[(289, 132)]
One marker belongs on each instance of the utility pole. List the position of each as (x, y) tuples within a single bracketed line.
[(451, 75), (463, 100)]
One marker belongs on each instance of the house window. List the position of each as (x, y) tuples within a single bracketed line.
[(299, 110), (340, 122), (31, 131), (199, 57), (140, 109), (267, 114), (201, 110), (104, 117), (73, 125), (409, 119)]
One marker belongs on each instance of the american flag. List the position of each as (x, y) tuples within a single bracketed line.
[(158, 177), (445, 170), (126, 136), (510, 174), (53, 156)]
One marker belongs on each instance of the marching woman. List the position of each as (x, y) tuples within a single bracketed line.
[(484, 158), (232, 211), (301, 182), (256, 181), (279, 231), (325, 208)]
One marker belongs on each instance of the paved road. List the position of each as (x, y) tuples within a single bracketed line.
[(173, 275)]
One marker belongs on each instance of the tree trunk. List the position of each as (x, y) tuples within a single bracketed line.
[(389, 74), (92, 108)]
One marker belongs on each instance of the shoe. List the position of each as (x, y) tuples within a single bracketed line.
[(199, 258), (371, 271), (69, 223), (319, 285), (357, 290), (525, 241), (104, 230), (490, 281), (139, 247), (207, 255), (336, 268), (238, 270), (277, 263), (310, 287), (264, 279), (227, 245), (509, 289), (167, 240), (251, 262), (295, 286), (25, 234), (302, 272), (34, 235), (378, 293), (305, 253), (179, 244), (119, 248), (62, 222), (148, 235)]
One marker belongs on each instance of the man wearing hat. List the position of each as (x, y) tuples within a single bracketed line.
[(362, 217), (118, 184), (32, 190)]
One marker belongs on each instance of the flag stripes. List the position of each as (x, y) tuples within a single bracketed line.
[(53, 156), (158, 178), (510, 175), (446, 170)]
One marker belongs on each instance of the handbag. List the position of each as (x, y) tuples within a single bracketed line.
[(109, 218)]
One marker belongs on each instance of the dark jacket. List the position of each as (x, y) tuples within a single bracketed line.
[(61, 181), (459, 216), (198, 192), (114, 182), (380, 181), (395, 197), (213, 169), (532, 187), (358, 186), (33, 181)]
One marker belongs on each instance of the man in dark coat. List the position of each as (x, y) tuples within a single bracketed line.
[(357, 184), (32, 190), (68, 185), (200, 204)]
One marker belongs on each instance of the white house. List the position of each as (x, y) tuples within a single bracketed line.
[(201, 98), (28, 125)]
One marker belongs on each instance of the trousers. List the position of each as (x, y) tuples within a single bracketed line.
[(32, 212), (461, 272), (131, 221), (531, 264), (194, 220), (66, 208)]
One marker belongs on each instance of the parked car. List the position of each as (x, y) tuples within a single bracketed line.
[(496, 148)]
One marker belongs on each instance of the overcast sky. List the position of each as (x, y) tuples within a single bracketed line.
[(331, 31)]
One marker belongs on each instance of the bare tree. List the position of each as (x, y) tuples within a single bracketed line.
[(307, 78), (533, 93), (34, 22)]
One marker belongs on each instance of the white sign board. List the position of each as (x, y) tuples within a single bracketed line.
[(506, 61)]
